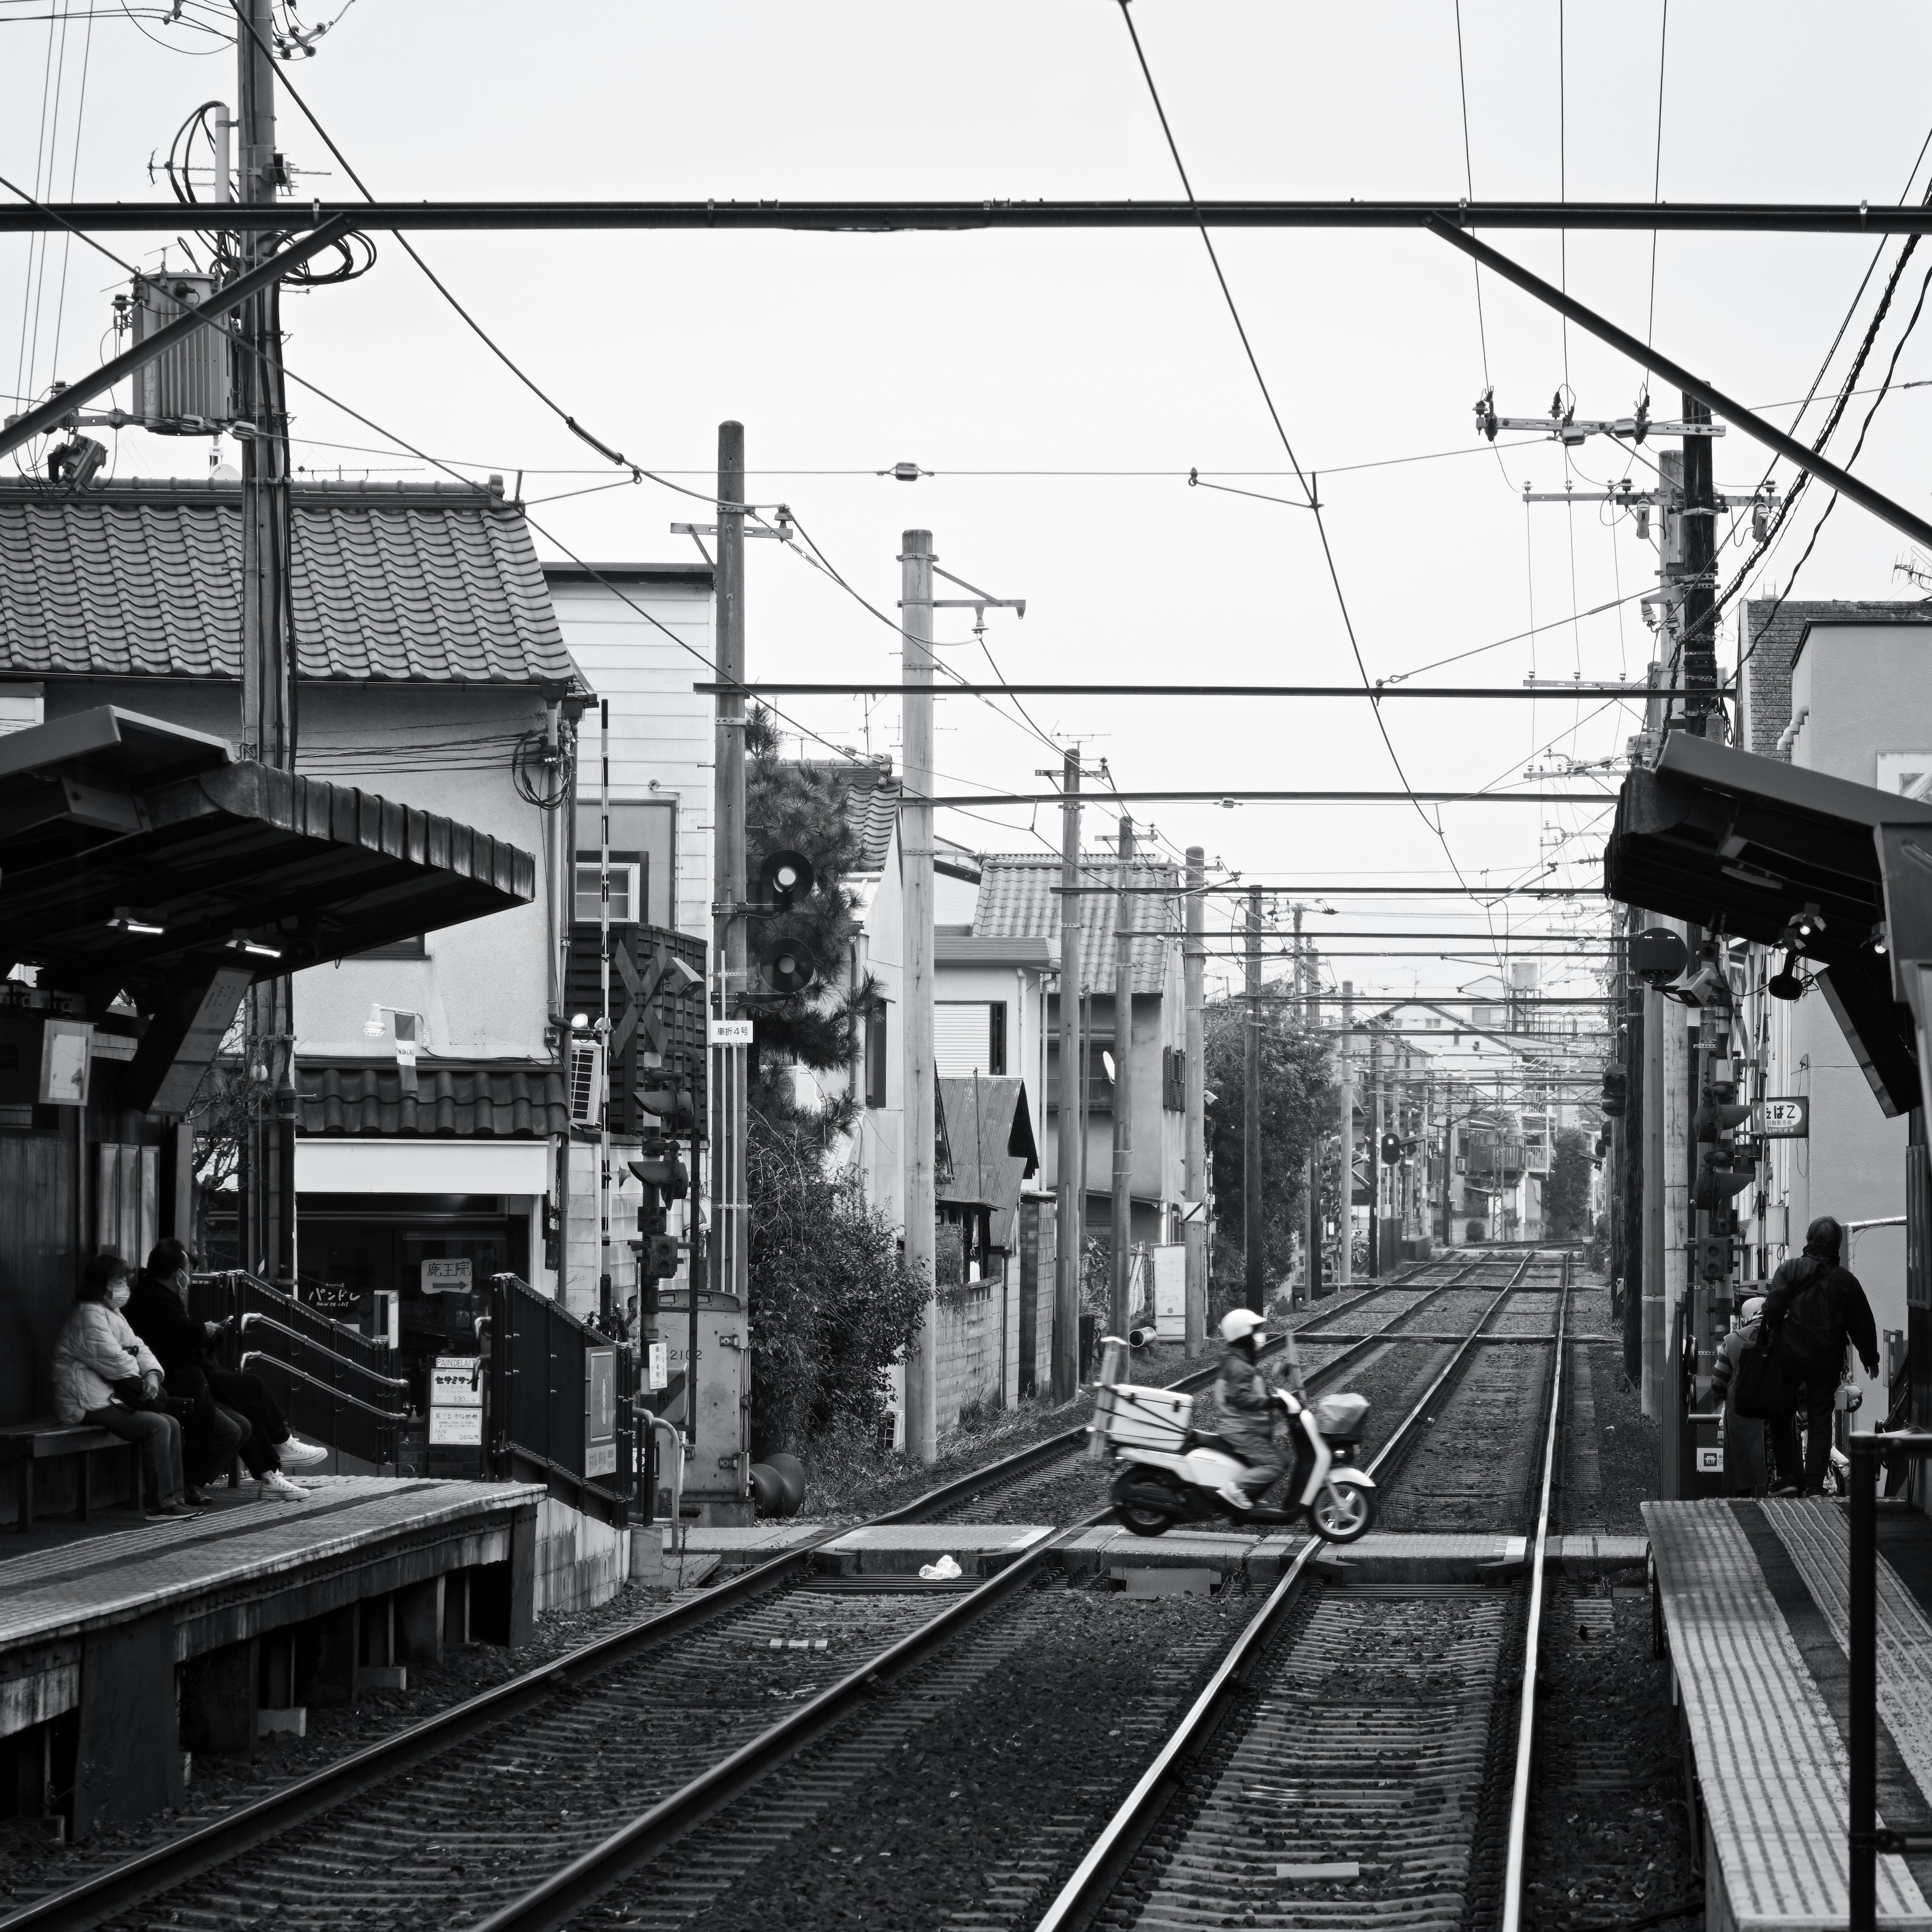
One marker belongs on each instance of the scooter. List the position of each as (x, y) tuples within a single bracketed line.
[(1170, 1474)]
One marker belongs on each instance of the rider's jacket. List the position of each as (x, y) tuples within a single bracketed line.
[(1243, 1407)]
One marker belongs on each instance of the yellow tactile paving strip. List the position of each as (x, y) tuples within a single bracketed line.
[(1769, 1758)]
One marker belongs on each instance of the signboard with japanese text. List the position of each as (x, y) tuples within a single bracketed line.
[(1785, 1119), (446, 1274), (731, 1033), (657, 1366), (600, 1411), (456, 1401)]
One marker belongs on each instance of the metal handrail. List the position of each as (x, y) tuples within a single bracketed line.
[(391, 1416), (255, 1316), (1526, 1728)]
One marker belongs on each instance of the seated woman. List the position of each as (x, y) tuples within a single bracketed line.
[(100, 1366)]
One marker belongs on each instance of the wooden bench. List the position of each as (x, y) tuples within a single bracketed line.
[(25, 1444)]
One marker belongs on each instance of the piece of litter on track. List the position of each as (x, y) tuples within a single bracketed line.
[(1338, 1868), (944, 1570)]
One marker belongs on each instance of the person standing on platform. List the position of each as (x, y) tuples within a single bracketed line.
[(1746, 1471), (1815, 1309), (105, 1375), (268, 1444)]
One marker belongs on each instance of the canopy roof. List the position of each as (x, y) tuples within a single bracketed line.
[(110, 820), (1739, 845)]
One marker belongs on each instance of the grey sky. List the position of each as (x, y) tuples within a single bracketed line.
[(1068, 353)]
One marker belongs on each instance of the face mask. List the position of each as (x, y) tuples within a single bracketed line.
[(117, 1295)]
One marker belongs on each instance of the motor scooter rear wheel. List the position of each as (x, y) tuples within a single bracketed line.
[(1342, 1513)]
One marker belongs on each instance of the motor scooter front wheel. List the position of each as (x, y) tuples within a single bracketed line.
[(1342, 1513)]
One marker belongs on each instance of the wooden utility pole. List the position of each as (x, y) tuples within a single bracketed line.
[(268, 642), (1697, 614), (730, 1256), (1119, 1313), (1194, 1226), (1252, 1237), (1310, 1249), (920, 1130), (1067, 1235)]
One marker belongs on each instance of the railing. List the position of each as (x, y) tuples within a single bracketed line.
[(330, 1414), (331, 1381), (560, 1402)]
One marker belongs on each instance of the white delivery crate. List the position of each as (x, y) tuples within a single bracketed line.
[(1155, 1418)]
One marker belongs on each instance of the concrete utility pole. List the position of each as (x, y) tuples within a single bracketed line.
[(1311, 1015), (1072, 1121), (730, 1272), (1377, 1119), (920, 1131), (1194, 1226), (268, 643), (1304, 1290), (1255, 1271), (1698, 613), (1345, 1107), (1120, 1312)]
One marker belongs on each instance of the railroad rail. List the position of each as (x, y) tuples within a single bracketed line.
[(1154, 1864), (310, 1853)]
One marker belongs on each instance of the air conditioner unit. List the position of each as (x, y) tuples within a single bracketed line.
[(585, 1082), (185, 390)]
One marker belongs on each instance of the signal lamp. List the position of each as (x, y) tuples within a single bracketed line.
[(788, 967), (1785, 984)]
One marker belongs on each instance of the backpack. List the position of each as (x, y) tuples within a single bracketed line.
[(1812, 1335), (1760, 1392)]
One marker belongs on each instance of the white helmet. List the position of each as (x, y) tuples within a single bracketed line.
[(1240, 1324), (1753, 1308)]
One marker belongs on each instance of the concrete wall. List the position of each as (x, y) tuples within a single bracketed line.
[(580, 1562), (974, 1349)]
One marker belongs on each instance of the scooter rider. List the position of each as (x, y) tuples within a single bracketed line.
[(1246, 1410)]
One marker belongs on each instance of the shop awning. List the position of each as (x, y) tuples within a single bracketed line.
[(1739, 845), (111, 823)]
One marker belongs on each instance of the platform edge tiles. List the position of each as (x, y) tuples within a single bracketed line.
[(120, 1653), (1771, 1763)]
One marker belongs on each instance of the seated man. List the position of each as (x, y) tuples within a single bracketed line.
[(268, 1444), (211, 1435)]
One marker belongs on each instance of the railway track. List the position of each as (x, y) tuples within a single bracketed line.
[(576, 1773), (1361, 1758)]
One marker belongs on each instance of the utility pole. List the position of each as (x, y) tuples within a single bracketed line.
[(1697, 629), (268, 643), (1251, 1240), (1194, 1225), (1377, 1127), (920, 1129), (730, 1272), (1120, 1312), (1304, 1293), (1345, 1257), (1066, 1240), (1311, 1015)]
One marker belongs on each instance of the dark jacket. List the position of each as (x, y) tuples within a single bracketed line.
[(1244, 1407), (1814, 1307), (180, 1343)]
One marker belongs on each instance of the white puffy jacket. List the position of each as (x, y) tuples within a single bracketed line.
[(95, 1347)]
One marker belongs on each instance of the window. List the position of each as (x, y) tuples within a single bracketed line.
[(627, 889), (875, 1054), (969, 1037), (416, 946)]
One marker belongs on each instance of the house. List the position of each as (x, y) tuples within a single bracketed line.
[(431, 673), (1010, 952)]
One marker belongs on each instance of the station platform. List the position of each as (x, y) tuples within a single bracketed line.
[(1753, 1601), (126, 1647)]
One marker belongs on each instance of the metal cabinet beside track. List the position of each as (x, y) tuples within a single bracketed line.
[(717, 1476)]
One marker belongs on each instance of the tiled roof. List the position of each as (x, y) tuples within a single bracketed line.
[(451, 1100), (407, 584), (872, 806), (989, 1131), (1017, 899)]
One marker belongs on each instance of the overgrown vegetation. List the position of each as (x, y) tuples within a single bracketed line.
[(832, 1302), (1566, 1193), (1296, 1094)]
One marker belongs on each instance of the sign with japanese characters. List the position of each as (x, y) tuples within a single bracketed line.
[(446, 1274), (1787, 1119), (600, 1411), (456, 1401)]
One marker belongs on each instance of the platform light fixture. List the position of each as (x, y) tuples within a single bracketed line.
[(241, 943), (126, 919)]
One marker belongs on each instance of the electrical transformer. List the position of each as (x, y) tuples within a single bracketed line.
[(185, 391)]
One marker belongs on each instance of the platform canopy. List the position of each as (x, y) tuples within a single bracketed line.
[(136, 854), (1740, 845)]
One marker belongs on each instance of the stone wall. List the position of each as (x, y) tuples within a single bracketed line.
[(580, 1561), (970, 1339)]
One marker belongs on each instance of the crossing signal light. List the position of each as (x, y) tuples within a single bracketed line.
[(787, 878), (1616, 1093), (660, 1172), (788, 967), (672, 1107), (1391, 1147), (657, 1257)]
